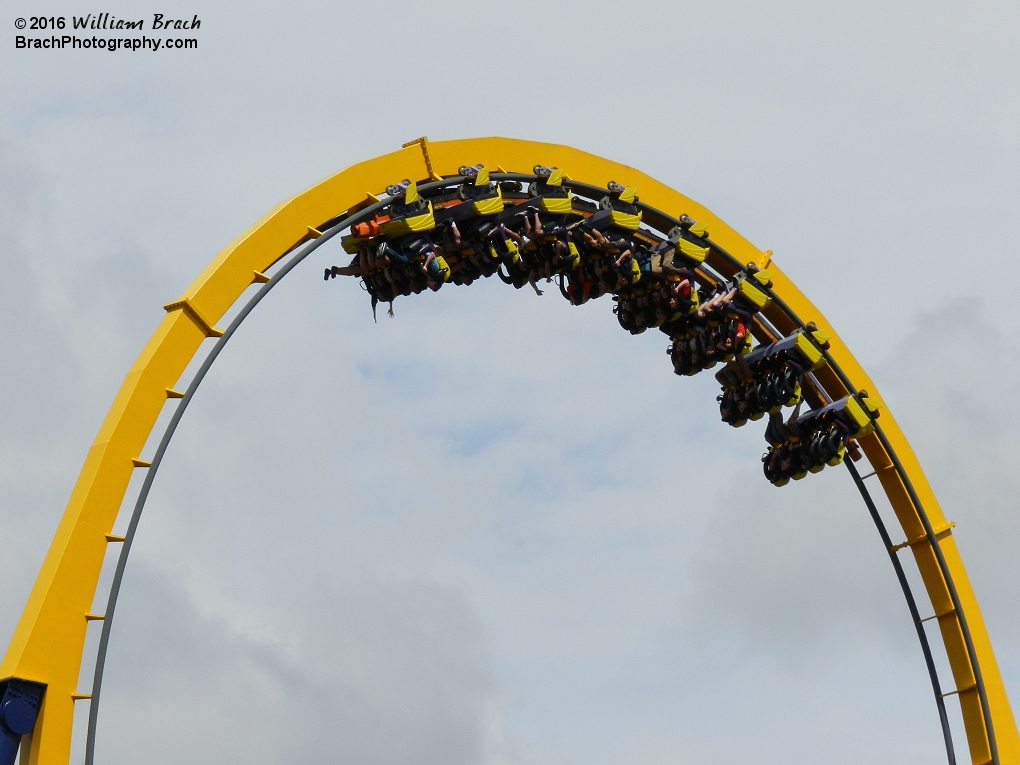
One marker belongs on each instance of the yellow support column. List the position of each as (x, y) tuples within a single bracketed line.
[(49, 638)]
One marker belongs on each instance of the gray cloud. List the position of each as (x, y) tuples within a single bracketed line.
[(374, 671), (495, 528)]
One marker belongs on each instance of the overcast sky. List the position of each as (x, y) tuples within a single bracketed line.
[(497, 529)]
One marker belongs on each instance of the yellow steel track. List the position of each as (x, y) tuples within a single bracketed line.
[(49, 638)]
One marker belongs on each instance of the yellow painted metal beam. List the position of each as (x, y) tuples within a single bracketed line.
[(1007, 739), (49, 638)]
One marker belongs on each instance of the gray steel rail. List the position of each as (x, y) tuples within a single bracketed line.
[(908, 595), (936, 547), (915, 615), (337, 224), (157, 459)]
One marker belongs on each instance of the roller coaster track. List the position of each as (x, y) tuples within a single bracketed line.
[(39, 672)]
